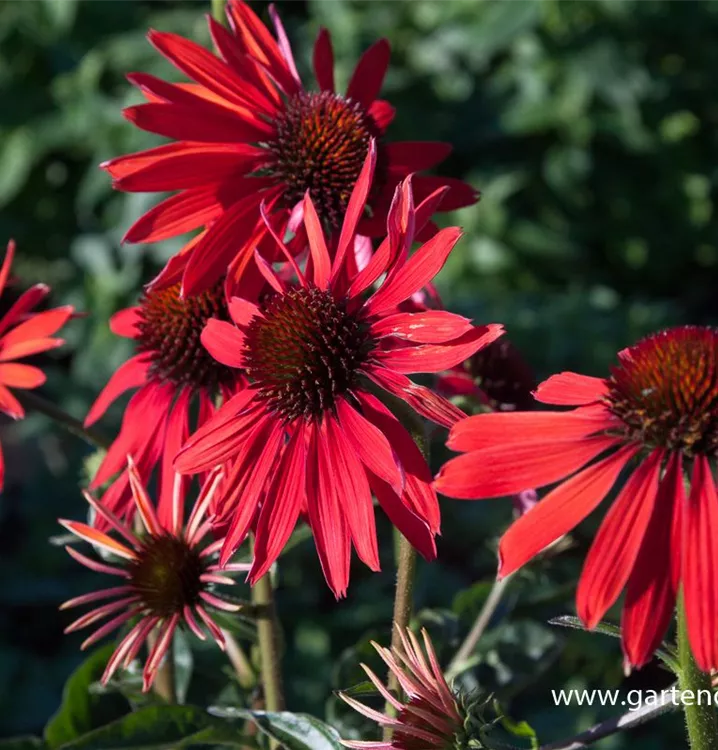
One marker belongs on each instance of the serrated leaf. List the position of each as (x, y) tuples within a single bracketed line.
[(164, 728), (83, 710)]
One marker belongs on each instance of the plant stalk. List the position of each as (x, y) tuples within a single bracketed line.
[(268, 635), (34, 402), (405, 557), (218, 10), (700, 714)]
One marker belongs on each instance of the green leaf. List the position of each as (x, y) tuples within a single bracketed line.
[(362, 688), (297, 731), (520, 729), (83, 709), (569, 621), (160, 727)]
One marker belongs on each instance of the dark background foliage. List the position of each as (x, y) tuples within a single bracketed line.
[(591, 129)]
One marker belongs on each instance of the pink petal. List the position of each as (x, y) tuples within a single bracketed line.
[(432, 327), (571, 389), (224, 342)]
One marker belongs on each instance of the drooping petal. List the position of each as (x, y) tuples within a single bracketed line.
[(570, 389), (371, 445), (507, 469), (614, 550), (423, 400), (415, 156), (282, 506), (99, 539), (651, 593), (700, 561), (348, 478), (331, 533), (561, 510)]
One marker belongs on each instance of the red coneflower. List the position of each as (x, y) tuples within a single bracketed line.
[(167, 576), (315, 355), (173, 374), (247, 131), (23, 333), (431, 717), (659, 404)]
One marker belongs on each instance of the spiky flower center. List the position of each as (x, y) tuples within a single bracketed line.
[(305, 351), (169, 331), (321, 143), (665, 390), (166, 575)]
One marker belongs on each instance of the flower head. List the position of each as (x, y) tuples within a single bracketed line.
[(173, 374), (246, 130), (308, 434), (22, 334), (167, 575), (431, 717), (659, 405)]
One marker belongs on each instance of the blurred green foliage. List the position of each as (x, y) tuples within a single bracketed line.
[(591, 129)]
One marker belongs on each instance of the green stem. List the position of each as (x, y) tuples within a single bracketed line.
[(268, 635), (698, 705), (218, 10), (34, 402), (405, 555)]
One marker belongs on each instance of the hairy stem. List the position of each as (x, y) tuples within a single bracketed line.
[(405, 556), (700, 714), (268, 635), (239, 661), (479, 626), (218, 10), (33, 402)]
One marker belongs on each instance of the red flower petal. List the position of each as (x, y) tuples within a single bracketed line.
[(7, 262), (329, 526), (382, 113), (371, 445), (459, 194), (349, 481), (570, 389), (500, 428), (432, 327), (561, 510), (38, 326), (170, 506), (423, 400), (10, 405), (420, 269), (651, 594), (124, 322), (323, 60), (507, 469), (615, 548), (175, 215), (368, 76), (224, 342), (282, 507), (414, 528), (131, 374), (700, 562), (27, 301), (27, 347), (415, 156), (437, 357), (21, 376), (317, 244)]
